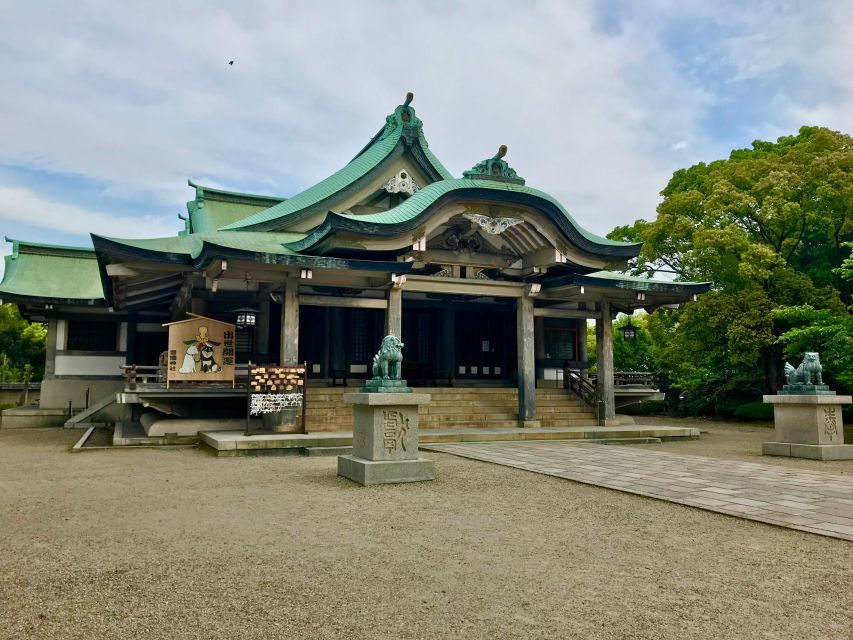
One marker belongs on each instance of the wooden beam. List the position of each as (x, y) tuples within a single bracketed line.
[(549, 312), (443, 256), (463, 286), (543, 257), (341, 301), (119, 269)]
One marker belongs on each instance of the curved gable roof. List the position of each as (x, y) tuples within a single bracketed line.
[(403, 130), (410, 214)]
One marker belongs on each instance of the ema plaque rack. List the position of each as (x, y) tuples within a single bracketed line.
[(273, 389)]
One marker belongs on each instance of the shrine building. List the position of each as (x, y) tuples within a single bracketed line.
[(489, 283)]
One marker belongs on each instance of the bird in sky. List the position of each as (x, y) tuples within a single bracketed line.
[(231, 62)]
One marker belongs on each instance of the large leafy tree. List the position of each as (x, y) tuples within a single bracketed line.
[(767, 226), (819, 329), (21, 344)]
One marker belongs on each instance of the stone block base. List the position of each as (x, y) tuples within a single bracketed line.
[(810, 451), (29, 417), (529, 424), (386, 386), (385, 471)]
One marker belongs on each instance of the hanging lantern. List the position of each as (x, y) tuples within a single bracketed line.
[(245, 317), (629, 331)]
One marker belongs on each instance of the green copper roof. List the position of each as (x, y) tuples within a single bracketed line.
[(407, 215), (614, 279), (213, 208), (402, 128), (193, 244), (52, 273)]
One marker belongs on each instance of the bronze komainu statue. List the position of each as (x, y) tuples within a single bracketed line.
[(809, 368), (387, 364)]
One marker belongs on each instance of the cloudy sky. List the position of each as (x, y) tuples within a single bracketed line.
[(107, 108)]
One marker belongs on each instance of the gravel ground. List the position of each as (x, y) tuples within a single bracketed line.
[(180, 544)]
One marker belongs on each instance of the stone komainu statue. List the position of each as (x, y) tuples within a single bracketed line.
[(808, 369), (387, 364)]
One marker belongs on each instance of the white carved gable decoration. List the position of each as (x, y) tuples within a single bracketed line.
[(402, 182), (495, 226)]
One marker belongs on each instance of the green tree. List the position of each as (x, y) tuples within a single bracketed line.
[(636, 354), (21, 343), (628, 355), (821, 330), (768, 227)]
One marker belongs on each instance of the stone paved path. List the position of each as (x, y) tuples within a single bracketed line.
[(811, 501)]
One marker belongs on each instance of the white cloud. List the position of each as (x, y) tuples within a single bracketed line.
[(22, 206), (139, 97)]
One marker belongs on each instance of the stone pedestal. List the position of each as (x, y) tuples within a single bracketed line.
[(385, 439), (809, 426)]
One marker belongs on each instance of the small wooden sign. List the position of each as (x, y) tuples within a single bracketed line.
[(200, 350)]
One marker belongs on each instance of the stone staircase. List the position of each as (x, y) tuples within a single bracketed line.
[(452, 407)]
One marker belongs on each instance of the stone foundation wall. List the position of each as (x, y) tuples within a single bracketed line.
[(57, 391)]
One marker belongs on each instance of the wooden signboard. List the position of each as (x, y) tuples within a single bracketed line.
[(272, 389), (200, 350)]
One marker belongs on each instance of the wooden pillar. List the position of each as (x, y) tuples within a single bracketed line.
[(262, 329), (290, 322), (448, 341), (539, 345), (604, 347), (50, 347), (526, 363), (130, 347), (198, 306), (582, 355), (337, 340), (394, 313)]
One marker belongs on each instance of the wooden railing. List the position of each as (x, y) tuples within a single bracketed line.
[(641, 379), (136, 375), (581, 385), (584, 385)]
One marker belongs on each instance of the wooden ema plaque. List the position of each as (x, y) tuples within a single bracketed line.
[(274, 388), (200, 350)]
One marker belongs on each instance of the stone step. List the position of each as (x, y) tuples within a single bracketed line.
[(574, 422), (495, 424), (468, 417), (563, 400), (460, 421), (510, 399), (554, 415), (327, 451), (345, 412), (457, 408)]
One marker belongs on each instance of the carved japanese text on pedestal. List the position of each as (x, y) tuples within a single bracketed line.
[(395, 426), (830, 422)]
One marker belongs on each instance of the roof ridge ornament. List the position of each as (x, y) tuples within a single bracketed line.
[(494, 168), (403, 116), (402, 181), (494, 226)]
